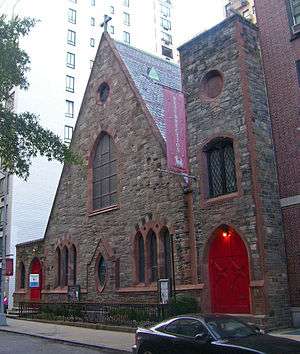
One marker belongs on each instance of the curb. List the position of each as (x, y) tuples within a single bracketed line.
[(66, 341)]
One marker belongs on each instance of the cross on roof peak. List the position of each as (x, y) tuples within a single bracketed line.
[(105, 22)]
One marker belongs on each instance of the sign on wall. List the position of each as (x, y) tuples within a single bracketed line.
[(74, 293), (175, 117), (34, 280), (164, 290)]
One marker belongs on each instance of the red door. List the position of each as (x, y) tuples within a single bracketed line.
[(229, 274), (36, 268)]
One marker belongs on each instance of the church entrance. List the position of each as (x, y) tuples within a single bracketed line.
[(229, 273), (35, 280)]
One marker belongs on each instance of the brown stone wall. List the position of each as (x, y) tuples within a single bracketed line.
[(240, 112), (145, 195)]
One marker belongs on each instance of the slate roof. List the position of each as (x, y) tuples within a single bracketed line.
[(139, 65)]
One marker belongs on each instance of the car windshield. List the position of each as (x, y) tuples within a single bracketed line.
[(224, 328)]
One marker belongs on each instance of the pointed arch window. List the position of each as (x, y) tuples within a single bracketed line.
[(73, 256), (221, 168), (141, 259), (166, 253), (22, 276), (58, 266), (65, 266), (152, 242), (104, 174), (101, 272)]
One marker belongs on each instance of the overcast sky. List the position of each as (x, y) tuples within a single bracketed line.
[(195, 16)]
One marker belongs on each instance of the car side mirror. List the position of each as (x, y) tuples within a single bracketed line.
[(259, 330)]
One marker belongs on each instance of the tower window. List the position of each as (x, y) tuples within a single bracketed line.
[(221, 168)]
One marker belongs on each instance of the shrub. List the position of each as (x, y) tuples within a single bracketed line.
[(183, 304)]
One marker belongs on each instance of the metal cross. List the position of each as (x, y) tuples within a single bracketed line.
[(105, 22)]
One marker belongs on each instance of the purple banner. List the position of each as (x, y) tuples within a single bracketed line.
[(175, 118)]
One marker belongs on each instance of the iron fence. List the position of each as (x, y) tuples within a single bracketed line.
[(131, 315)]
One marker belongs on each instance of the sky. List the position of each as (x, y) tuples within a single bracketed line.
[(195, 16)]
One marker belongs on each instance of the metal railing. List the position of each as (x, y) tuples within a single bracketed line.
[(130, 315)]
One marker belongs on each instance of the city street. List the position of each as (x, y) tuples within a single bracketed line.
[(11, 343)]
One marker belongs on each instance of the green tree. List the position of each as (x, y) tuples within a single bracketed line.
[(21, 135)]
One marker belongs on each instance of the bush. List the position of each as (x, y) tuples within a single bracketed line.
[(183, 304)]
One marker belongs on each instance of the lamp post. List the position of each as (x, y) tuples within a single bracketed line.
[(3, 321)]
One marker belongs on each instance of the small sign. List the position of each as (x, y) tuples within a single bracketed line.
[(164, 291), (74, 293), (34, 280)]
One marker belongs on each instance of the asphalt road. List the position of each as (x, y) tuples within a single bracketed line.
[(11, 343)]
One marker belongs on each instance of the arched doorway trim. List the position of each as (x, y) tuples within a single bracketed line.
[(226, 271)]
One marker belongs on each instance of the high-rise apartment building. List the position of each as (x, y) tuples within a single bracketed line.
[(244, 7), (62, 47)]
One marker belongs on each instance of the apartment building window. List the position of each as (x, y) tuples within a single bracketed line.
[(165, 11), (70, 60), (126, 37), (126, 18), (72, 16), (2, 186), (295, 6), (166, 37), (68, 133), (93, 22), (112, 29), (70, 83), (93, 2), (165, 24), (92, 42), (111, 10), (71, 38), (167, 52), (69, 109), (126, 3)]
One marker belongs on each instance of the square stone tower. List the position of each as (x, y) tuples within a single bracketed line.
[(239, 237)]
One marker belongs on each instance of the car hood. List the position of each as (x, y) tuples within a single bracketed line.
[(268, 344)]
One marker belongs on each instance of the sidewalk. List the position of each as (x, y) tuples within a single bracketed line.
[(90, 337)]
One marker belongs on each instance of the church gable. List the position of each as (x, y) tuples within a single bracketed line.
[(122, 184)]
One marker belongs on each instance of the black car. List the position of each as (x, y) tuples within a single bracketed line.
[(209, 334)]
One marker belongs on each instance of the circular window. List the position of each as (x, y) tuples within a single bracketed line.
[(103, 92), (101, 272), (212, 84)]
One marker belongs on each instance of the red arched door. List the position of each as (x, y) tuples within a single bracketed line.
[(36, 268), (229, 273)]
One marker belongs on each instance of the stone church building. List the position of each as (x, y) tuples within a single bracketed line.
[(114, 221)]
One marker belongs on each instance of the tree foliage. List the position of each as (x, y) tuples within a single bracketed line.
[(21, 135)]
